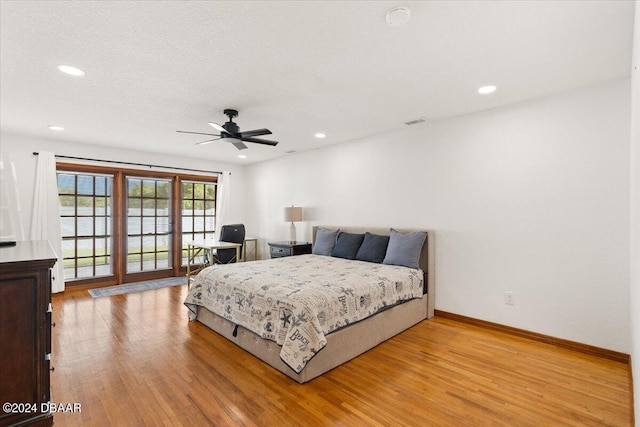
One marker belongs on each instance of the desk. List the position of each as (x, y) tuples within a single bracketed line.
[(255, 248), (204, 246)]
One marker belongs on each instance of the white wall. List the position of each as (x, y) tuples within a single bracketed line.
[(635, 215), (532, 199), (20, 149)]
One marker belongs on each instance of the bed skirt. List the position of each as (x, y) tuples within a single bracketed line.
[(342, 345)]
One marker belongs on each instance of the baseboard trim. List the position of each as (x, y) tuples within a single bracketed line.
[(559, 342)]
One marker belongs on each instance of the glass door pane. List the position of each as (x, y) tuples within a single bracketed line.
[(198, 212), (85, 219), (148, 224)]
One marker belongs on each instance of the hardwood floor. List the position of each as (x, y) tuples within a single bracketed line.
[(134, 360)]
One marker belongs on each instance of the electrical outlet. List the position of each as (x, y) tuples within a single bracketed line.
[(508, 298)]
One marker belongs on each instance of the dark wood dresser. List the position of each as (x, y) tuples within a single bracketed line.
[(25, 333)]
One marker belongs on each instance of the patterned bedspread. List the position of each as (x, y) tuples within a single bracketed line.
[(297, 300)]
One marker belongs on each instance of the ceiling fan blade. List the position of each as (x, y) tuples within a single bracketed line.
[(209, 141), (197, 133), (239, 145), (250, 133), (218, 128), (261, 141)]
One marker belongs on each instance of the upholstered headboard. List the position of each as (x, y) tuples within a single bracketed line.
[(427, 256)]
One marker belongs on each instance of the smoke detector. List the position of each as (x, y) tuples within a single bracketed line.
[(398, 16)]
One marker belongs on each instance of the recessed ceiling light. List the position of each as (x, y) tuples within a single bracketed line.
[(320, 135), (54, 127), (72, 71), (487, 89), (398, 16), (242, 156)]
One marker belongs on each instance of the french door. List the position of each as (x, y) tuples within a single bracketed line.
[(122, 226), (148, 227)]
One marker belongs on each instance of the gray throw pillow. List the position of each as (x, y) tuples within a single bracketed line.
[(347, 245), (325, 241), (373, 248), (405, 248)]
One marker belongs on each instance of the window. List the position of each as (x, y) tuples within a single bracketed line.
[(118, 225), (85, 219), (148, 224), (198, 212)]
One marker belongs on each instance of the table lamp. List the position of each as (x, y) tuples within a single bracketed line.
[(293, 214)]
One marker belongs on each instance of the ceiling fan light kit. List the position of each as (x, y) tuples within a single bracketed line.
[(230, 132)]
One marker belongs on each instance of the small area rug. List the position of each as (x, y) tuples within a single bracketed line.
[(137, 287)]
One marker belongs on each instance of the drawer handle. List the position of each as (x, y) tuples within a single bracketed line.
[(52, 368), (53, 324)]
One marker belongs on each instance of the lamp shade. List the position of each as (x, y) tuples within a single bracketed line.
[(293, 214)]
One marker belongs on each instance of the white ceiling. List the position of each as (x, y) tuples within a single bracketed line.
[(297, 67)]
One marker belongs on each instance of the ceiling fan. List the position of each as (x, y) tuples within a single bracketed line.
[(231, 133)]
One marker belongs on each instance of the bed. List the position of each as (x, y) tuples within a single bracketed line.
[(237, 301)]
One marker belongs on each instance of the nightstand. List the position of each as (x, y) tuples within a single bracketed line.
[(282, 249)]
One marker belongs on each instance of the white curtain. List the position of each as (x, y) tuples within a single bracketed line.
[(223, 201), (10, 215), (45, 222)]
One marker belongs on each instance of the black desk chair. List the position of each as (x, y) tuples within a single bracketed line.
[(233, 233)]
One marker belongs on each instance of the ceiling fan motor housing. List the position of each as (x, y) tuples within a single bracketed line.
[(231, 127)]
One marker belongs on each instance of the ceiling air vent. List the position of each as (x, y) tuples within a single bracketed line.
[(416, 121)]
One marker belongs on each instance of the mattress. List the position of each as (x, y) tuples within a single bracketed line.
[(297, 301)]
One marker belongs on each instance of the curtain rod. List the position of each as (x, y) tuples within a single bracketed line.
[(35, 153)]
